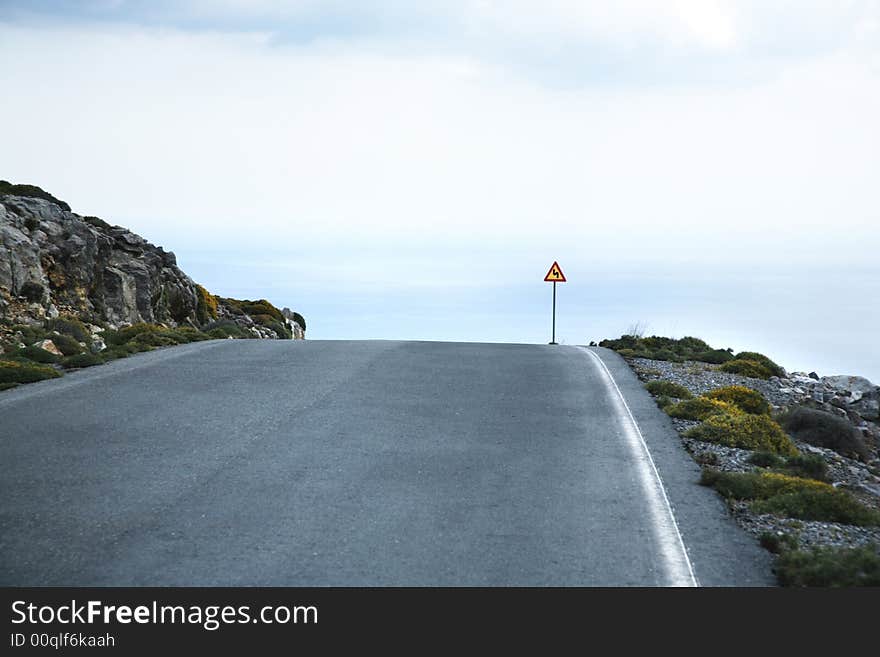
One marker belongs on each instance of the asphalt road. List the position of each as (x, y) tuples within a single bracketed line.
[(356, 463)]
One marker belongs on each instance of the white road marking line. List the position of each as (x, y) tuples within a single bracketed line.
[(675, 558)]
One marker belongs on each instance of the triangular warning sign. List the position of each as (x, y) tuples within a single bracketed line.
[(555, 274)]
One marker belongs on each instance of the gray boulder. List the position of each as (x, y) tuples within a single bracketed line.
[(854, 387), (867, 407)]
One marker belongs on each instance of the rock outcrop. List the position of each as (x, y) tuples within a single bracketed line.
[(853, 397), (52, 258), (296, 322), (54, 261)]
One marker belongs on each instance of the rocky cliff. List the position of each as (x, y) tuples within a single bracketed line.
[(56, 262)]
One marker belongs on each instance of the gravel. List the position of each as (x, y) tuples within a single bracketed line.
[(808, 533), (702, 377)]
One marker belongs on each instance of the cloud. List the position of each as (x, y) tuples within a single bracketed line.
[(625, 23), (226, 140), (548, 24)]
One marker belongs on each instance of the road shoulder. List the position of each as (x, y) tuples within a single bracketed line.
[(720, 552)]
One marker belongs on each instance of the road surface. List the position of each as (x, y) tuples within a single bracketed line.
[(281, 463)]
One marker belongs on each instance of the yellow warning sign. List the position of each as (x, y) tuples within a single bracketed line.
[(555, 274)]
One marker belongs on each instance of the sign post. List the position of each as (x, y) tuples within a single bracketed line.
[(554, 276)]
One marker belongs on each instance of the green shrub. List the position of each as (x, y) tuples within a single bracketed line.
[(667, 355), (714, 356), (766, 460), (749, 368), (66, 344), (756, 432), (761, 359), (82, 360), (746, 399), (732, 485), (6, 385), (118, 351), (811, 466), (189, 334), (126, 348), (700, 408), (829, 567), (655, 342), (18, 372), (669, 389), (624, 342), (690, 345), (759, 485), (707, 458), (299, 319), (206, 308), (128, 333), (38, 355), (660, 348), (823, 505), (777, 544), (280, 329), (793, 497), (262, 307), (155, 339), (70, 326), (144, 336), (224, 329), (32, 291), (808, 466), (97, 222), (825, 430), (263, 319), (664, 402), (259, 307), (30, 334)]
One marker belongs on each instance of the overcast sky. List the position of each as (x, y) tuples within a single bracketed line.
[(438, 143)]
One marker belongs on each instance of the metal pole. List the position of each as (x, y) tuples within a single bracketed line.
[(554, 313)]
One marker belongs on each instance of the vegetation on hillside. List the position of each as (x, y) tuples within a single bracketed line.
[(668, 389), (13, 372), (808, 466), (73, 340), (659, 348), (700, 408), (23, 360), (745, 399), (784, 482), (299, 319), (755, 432), (825, 430), (206, 308), (792, 497), (829, 567), (261, 311), (746, 363)]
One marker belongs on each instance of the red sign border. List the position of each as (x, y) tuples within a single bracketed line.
[(547, 278)]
